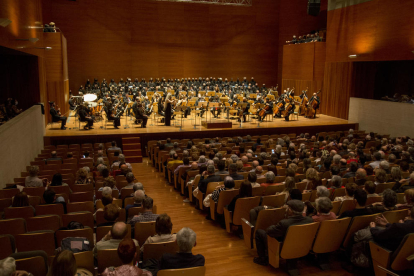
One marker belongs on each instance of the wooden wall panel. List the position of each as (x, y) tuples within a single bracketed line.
[(376, 30), (143, 39), (337, 88), (319, 64), (298, 61)]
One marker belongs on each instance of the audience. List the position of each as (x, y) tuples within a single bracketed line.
[(33, 180), (163, 228), (147, 215)]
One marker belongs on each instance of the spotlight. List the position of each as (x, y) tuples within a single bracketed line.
[(352, 56), (4, 22)]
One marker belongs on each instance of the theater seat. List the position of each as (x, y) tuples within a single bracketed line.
[(199, 271)]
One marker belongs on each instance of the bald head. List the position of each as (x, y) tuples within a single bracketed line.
[(244, 159), (259, 170), (194, 166), (119, 231), (255, 163), (139, 196)]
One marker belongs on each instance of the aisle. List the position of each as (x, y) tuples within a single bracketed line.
[(225, 254)]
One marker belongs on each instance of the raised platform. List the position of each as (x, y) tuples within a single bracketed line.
[(55, 136)]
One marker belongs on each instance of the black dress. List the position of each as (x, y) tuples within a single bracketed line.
[(168, 114)]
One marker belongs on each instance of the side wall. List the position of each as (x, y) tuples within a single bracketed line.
[(382, 117), (21, 141)]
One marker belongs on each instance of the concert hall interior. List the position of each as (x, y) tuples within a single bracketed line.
[(224, 136)]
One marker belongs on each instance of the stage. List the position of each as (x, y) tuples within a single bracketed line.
[(155, 131)]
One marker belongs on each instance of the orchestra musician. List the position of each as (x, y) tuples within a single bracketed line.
[(85, 117), (245, 110), (138, 109), (268, 109), (313, 107), (72, 104), (109, 110), (56, 116), (215, 110), (168, 109)]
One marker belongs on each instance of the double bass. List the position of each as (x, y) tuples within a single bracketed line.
[(278, 106), (312, 105), (303, 103)]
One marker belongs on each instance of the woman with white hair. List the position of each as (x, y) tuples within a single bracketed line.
[(8, 268), (167, 109), (323, 209)]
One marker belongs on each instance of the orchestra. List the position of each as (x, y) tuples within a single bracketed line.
[(141, 99)]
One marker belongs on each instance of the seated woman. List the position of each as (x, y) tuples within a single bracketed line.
[(270, 180), (228, 185), (163, 228), (380, 176), (126, 252), (57, 180), (289, 186), (323, 208), (22, 200), (109, 182), (312, 179), (350, 189), (33, 180), (409, 199), (244, 191), (252, 178), (389, 201), (82, 177)]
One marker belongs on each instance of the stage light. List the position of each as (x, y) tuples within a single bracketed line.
[(4, 22), (352, 56)]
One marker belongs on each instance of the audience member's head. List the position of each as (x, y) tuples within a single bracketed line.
[(139, 197), (229, 182), (63, 264), (163, 225), (361, 197), (245, 189), (119, 230), (323, 205), (186, 240), (148, 203), (111, 212), (127, 251), (389, 198), (295, 207), (49, 196)]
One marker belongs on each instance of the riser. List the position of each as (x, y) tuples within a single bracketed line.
[(134, 159), (135, 152), (131, 140), (131, 146)]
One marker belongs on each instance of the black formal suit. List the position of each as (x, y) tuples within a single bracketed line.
[(277, 231), (57, 118), (83, 114), (180, 260), (139, 114), (393, 234), (202, 185)]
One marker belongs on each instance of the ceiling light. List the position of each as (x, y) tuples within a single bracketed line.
[(352, 56)]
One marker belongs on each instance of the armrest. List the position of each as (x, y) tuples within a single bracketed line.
[(248, 233), (273, 247), (213, 209), (228, 218), (380, 256)]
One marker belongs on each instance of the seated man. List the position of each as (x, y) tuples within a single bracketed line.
[(139, 197), (233, 172), (49, 196), (147, 215), (84, 116), (139, 113), (185, 164), (56, 117), (54, 157), (130, 178), (171, 164), (207, 177), (360, 210), (391, 235), (111, 214), (111, 240), (278, 231), (221, 166), (186, 240)]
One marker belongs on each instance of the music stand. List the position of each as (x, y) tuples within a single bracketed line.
[(219, 94), (183, 93), (211, 94), (202, 93), (242, 106), (150, 94), (179, 111)]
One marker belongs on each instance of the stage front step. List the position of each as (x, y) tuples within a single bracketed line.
[(132, 149)]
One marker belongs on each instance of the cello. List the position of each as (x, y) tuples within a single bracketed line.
[(312, 105)]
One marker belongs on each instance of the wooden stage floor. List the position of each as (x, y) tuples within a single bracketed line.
[(160, 131)]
